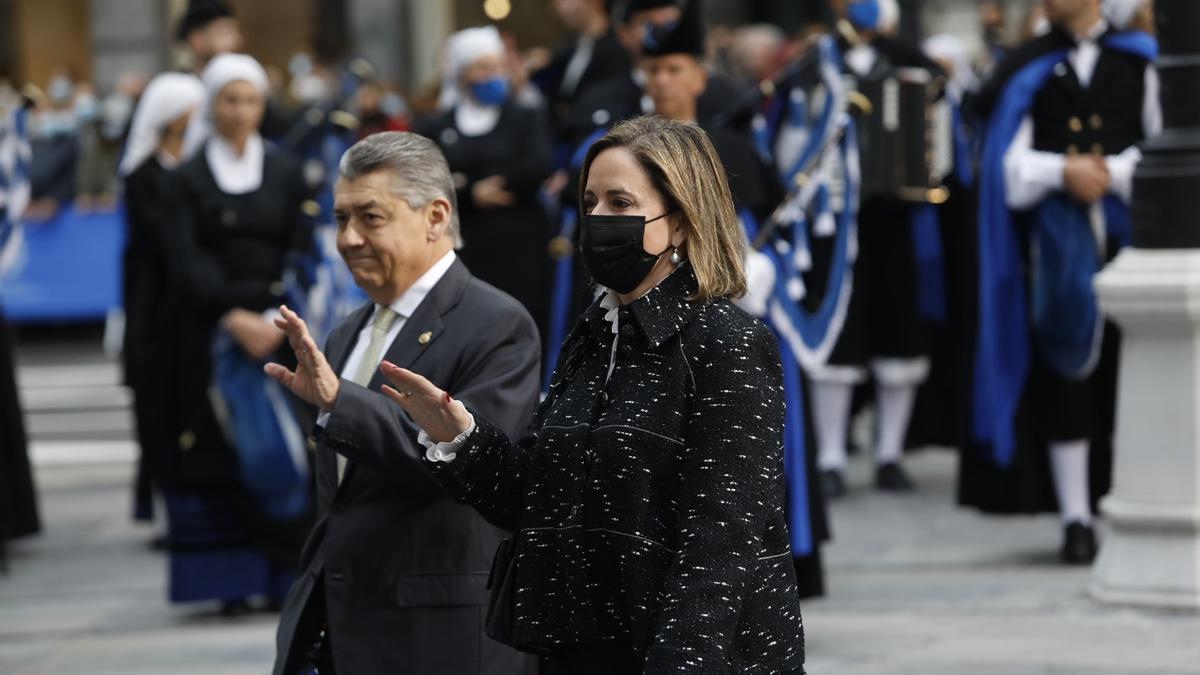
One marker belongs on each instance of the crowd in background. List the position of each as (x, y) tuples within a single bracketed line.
[(79, 130)]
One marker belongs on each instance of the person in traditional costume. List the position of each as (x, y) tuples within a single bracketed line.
[(942, 408), (18, 495), (885, 334), (592, 56), (499, 153), (623, 95), (1065, 113), (208, 28), (675, 78), (154, 148), (237, 485)]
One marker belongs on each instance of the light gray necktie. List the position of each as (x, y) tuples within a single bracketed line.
[(380, 325)]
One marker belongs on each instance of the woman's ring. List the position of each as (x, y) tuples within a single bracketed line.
[(404, 394)]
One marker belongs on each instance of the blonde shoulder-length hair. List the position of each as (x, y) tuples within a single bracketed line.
[(684, 167)]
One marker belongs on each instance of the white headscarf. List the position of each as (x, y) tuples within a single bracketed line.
[(168, 97), (234, 174), (1120, 13), (952, 49), (222, 70), (462, 48)]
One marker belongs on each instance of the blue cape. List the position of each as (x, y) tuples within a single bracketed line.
[(1002, 341)]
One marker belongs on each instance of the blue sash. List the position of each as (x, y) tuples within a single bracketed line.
[(812, 335), (561, 292), (795, 467)]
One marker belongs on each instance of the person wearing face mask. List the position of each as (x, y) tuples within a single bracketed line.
[(675, 77), (155, 147), (647, 499), (53, 132), (238, 218), (499, 153)]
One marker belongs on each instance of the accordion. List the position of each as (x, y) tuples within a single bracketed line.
[(904, 145)]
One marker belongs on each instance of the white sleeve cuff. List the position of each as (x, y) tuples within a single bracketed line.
[(760, 284), (1120, 172), (1030, 175), (446, 452)]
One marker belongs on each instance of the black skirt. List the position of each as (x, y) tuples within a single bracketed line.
[(18, 500)]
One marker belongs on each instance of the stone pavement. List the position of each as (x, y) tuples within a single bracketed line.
[(918, 586), (915, 587)]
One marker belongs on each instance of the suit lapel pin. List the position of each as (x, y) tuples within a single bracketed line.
[(425, 337)]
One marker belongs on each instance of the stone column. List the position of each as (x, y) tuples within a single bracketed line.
[(1151, 555)]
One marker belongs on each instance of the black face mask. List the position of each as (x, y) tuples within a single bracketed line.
[(611, 249)]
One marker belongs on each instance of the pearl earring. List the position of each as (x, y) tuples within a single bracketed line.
[(675, 257)]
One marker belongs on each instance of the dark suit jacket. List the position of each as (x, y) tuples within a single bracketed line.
[(403, 567)]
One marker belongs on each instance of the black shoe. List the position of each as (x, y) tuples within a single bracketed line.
[(892, 477), (832, 484), (1079, 544), (234, 608)]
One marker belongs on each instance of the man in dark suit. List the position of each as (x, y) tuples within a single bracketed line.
[(394, 571)]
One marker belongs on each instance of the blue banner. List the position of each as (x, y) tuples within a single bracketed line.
[(68, 269)]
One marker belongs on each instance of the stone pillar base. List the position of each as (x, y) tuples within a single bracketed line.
[(1151, 555)]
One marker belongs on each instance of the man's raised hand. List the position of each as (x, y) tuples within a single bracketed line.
[(313, 380)]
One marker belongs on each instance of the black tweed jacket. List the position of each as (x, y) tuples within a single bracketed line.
[(648, 509)]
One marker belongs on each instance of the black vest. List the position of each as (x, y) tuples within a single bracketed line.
[(1105, 118)]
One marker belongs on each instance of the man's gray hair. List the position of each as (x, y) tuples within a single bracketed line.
[(418, 167)]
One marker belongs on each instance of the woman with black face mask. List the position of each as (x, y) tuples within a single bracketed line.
[(648, 501)]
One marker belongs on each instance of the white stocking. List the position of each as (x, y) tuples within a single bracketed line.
[(831, 415), (895, 405), (1069, 462)]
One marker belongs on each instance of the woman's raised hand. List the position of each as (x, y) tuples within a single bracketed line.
[(439, 416)]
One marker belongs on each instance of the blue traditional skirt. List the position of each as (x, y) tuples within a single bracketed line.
[(213, 555)]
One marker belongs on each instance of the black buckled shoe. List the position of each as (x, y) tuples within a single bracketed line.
[(832, 484), (892, 477), (1079, 544)]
